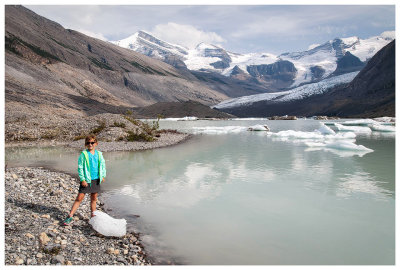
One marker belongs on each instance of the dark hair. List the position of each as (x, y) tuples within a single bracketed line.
[(90, 137)]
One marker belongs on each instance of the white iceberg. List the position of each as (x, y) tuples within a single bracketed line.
[(385, 119), (107, 225), (325, 129), (258, 128), (218, 130), (346, 145), (360, 122), (341, 148), (315, 144), (315, 135), (382, 128), (186, 118), (341, 136), (298, 134), (189, 118), (355, 129), (249, 119)]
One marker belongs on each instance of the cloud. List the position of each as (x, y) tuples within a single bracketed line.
[(91, 34), (185, 35), (271, 26)]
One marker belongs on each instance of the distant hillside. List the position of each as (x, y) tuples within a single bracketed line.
[(178, 109), (53, 70), (370, 94)]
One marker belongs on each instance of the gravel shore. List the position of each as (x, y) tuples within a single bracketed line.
[(36, 203), (165, 139)]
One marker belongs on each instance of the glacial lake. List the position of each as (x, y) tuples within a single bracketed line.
[(231, 196)]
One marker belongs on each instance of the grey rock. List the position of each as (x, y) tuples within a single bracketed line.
[(58, 259)]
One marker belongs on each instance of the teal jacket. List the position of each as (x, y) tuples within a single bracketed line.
[(84, 168)]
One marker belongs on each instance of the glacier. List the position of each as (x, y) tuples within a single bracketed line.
[(289, 95)]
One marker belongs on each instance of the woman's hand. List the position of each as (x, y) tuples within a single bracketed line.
[(84, 184), (104, 179)]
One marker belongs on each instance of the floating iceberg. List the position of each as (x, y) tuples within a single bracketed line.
[(218, 130), (346, 145), (298, 134), (341, 136), (385, 119), (360, 122), (382, 128), (340, 148), (108, 226), (186, 118), (258, 128), (325, 130), (248, 119), (316, 135), (355, 129)]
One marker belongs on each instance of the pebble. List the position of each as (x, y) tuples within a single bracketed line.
[(43, 238), (58, 259), (29, 235), (19, 261), (42, 220)]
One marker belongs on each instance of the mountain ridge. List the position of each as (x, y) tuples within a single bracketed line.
[(312, 65), (369, 93)]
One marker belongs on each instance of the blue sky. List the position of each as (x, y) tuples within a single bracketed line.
[(238, 28)]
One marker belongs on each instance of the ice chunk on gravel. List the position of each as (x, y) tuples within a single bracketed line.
[(107, 225)]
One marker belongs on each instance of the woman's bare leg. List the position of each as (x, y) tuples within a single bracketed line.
[(76, 204), (93, 200)]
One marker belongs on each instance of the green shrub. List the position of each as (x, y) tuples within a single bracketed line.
[(99, 129), (118, 124), (132, 136), (132, 120)]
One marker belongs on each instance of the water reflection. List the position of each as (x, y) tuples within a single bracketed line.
[(361, 183)]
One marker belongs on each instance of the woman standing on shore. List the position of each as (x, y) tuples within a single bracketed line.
[(92, 172)]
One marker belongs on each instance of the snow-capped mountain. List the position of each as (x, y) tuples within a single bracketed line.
[(366, 93), (285, 71), (145, 43), (325, 57)]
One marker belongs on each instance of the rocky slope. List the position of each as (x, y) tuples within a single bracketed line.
[(49, 69)]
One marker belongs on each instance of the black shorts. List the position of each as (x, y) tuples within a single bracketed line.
[(94, 187)]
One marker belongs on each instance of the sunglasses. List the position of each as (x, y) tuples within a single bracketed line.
[(90, 143)]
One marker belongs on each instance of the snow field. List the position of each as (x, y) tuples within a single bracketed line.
[(297, 93)]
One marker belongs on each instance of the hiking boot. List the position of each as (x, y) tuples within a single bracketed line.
[(68, 221)]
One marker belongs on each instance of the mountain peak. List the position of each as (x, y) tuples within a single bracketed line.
[(204, 46), (214, 58)]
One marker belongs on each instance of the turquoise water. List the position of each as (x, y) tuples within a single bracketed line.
[(251, 198)]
